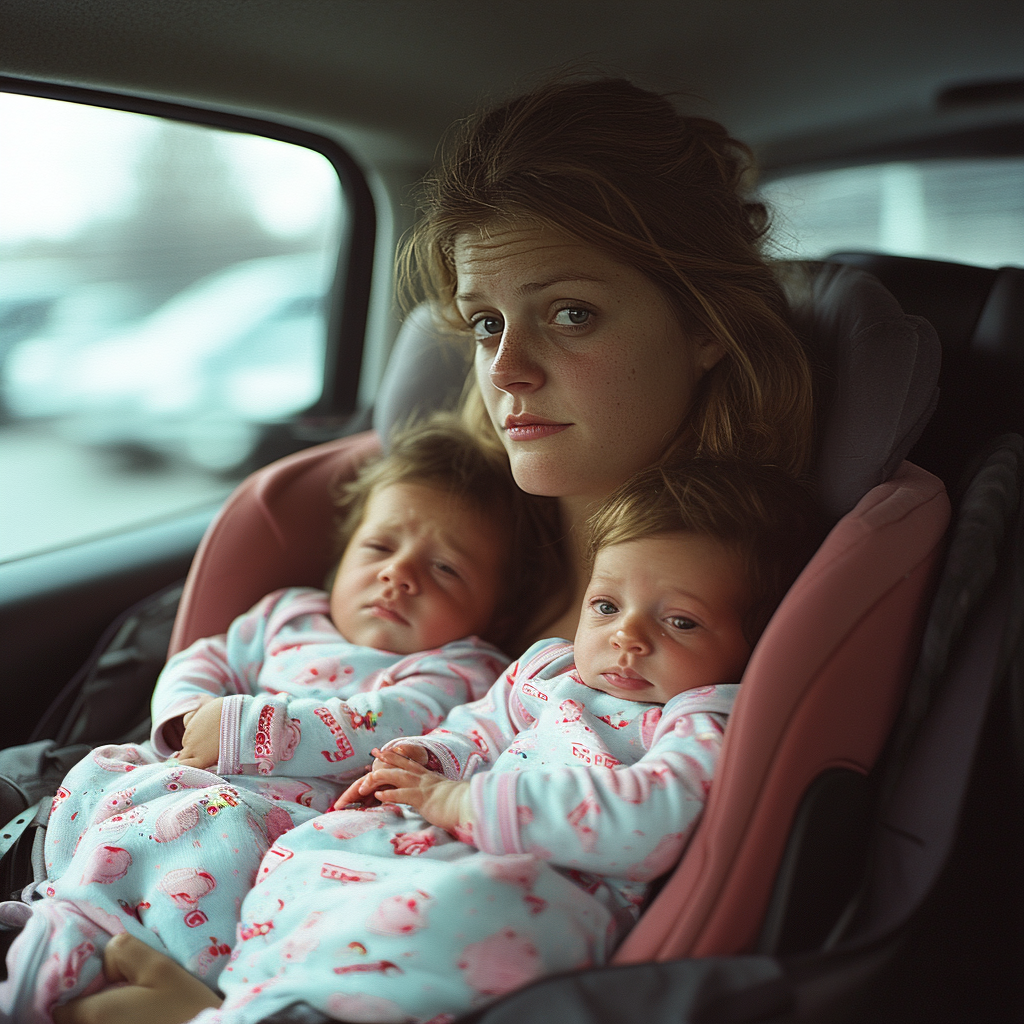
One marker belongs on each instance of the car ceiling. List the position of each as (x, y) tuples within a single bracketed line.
[(800, 79)]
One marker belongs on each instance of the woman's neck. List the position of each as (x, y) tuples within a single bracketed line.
[(575, 512)]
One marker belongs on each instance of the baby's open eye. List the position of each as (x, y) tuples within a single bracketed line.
[(572, 317), (681, 622), (487, 327), (603, 607)]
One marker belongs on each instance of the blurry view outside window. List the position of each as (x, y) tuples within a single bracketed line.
[(162, 313), (966, 211)]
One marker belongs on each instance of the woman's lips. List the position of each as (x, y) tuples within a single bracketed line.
[(531, 428)]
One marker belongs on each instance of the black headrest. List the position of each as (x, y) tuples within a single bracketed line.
[(978, 313), (878, 372), (970, 307)]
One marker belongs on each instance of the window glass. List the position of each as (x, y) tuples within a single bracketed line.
[(967, 211), (162, 312)]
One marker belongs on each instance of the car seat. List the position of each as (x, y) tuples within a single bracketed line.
[(818, 699), (825, 682), (978, 314)]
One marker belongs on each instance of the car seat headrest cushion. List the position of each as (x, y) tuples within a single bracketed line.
[(426, 371), (878, 372)]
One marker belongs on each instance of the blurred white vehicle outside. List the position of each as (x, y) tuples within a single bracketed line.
[(197, 380)]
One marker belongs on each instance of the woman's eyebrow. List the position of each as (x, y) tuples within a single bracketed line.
[(563, 277)]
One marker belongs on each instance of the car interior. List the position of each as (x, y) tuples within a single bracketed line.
[(859, 856)]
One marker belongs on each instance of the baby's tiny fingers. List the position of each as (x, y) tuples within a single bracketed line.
[(353, 792), (396, 759), (393, 795)]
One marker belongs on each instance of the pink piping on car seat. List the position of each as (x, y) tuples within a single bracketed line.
[(821, 690), (274, 531)]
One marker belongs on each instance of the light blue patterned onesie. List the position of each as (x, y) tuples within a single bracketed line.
[(580, 799), (168, 851)]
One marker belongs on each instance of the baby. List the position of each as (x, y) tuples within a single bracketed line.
[(520, 837), (306, 683), (284, 708)]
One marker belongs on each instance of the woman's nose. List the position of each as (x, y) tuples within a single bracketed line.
[(630, 638), (514, 367), (400, 574)]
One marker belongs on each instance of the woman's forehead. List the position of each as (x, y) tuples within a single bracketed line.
[(509, 238), (534, 255)]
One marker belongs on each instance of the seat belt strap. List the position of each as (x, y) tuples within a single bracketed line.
[(13, 830)]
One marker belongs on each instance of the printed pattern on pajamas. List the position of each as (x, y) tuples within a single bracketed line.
[(167, 851), (301, 701), (581, 799)]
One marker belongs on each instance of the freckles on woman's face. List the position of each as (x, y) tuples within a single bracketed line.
[(582, 363)]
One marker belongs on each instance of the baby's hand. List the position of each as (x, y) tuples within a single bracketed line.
[(174, 728), (399, 779), (200, 746), (362, 790)]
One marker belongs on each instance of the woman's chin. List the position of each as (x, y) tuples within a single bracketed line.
[(545, 476), (573, 488)]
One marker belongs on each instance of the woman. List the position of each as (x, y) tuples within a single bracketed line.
[(599, 249)]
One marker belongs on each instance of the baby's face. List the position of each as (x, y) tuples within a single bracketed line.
[(663, 615), (422, 569)]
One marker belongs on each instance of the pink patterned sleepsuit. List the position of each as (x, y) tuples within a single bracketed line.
[(580, 798), (167, 851)]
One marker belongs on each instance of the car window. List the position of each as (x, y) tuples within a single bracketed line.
[(966, 211), (163, 311)]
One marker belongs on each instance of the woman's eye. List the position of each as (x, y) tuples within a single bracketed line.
[(487, 327), (681, 622), (572, 317), (375, 545)]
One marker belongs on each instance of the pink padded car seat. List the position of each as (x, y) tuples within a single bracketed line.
[(274, 531), (821, 691), (826, 679)]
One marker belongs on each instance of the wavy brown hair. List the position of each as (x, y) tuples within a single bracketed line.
[(619, 168)]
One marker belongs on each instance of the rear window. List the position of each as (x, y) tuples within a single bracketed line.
[(164, 299), (966, 211)]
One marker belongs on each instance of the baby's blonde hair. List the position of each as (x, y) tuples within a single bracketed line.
[(443, 453), (760, 512)]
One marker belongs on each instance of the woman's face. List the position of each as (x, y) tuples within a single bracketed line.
[(583, 366)]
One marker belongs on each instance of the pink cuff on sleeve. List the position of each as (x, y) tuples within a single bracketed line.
[(230, 761)]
